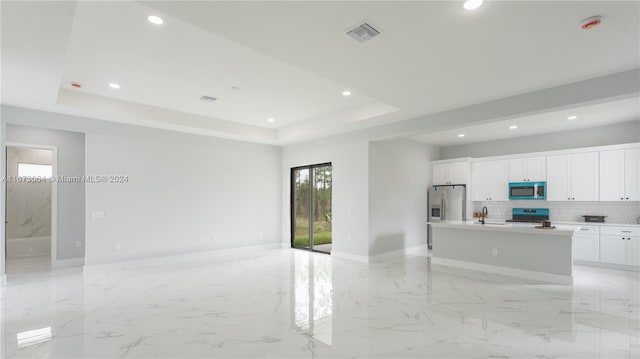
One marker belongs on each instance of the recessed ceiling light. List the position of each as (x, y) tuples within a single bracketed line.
[(114, 85), (461, 135), (514, 127), (572, 117), (346, 93), (156, 20), (472, 4), (271, 119)]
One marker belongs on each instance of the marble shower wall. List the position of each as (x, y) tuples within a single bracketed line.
[(28, 204), (616, 212)]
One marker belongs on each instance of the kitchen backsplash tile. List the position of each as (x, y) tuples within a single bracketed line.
[(616, 212)]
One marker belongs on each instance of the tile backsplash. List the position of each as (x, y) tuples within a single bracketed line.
[(616, 212)]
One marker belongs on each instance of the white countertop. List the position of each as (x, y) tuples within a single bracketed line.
[(600, 224), (554, 223), (502, 226)]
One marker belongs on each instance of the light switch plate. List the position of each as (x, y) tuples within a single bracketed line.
[(97, 214)]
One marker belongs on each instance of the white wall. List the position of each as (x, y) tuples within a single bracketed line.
[(186, 193), (3, 217), (71, 196), (626, 132), (399, 174), (349, 160), (181, 196)]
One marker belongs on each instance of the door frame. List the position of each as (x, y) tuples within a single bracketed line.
[(292, 217), (54, 198)]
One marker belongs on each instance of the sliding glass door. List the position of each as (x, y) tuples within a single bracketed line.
[(311, 188)]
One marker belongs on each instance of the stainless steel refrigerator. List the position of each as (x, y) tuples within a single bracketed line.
[(446, 203)]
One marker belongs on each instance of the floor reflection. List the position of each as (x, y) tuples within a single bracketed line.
[(312, 290)]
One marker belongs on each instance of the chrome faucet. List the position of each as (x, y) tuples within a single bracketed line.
[(485, 211)]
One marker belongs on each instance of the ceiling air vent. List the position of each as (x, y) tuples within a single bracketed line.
[(363, 32), (208, 99)]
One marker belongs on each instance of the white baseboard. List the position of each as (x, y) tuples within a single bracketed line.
[(178, 258), (350, 257), (381, 256), (63, 263), (512, 272), (399, 253)]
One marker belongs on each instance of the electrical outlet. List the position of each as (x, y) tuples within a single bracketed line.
[(495, 251), (116, 247)]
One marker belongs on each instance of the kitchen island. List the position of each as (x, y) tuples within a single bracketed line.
[(514, 249)]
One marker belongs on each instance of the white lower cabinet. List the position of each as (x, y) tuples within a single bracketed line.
[(586, 244), (607, 244), (620, 245), (633, 251), (613, 249)]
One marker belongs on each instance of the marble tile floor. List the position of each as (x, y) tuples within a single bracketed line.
[(28, 265), (295, 304)]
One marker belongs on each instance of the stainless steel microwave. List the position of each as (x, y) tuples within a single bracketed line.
[(527, 190)]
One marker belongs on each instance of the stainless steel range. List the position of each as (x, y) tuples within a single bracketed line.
[(529, 215)]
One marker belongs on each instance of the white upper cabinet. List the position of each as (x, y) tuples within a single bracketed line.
[(612, 175), (440, 174), (584, 177), (558, 174), (451, 173), (490, 181), (459, 173), (619, 180), (632, 174), (530, 169), (573, 177)]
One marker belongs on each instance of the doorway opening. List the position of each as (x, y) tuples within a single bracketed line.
[(311, 216), (31, 194)]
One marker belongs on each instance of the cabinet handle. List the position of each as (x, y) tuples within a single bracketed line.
[(573, 199), (626, 231), (584, 229), (627, 197), (569, 198)]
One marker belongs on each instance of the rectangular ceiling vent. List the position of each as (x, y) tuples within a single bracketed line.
[(363, 32), (208, 98)]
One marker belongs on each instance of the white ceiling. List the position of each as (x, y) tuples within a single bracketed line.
[(173, 65), (587, 116), (291, 60)]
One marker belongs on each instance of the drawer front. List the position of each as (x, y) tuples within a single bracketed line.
[(621, 231), (587, 231)]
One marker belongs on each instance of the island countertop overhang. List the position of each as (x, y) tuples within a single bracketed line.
[(529, 228)]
